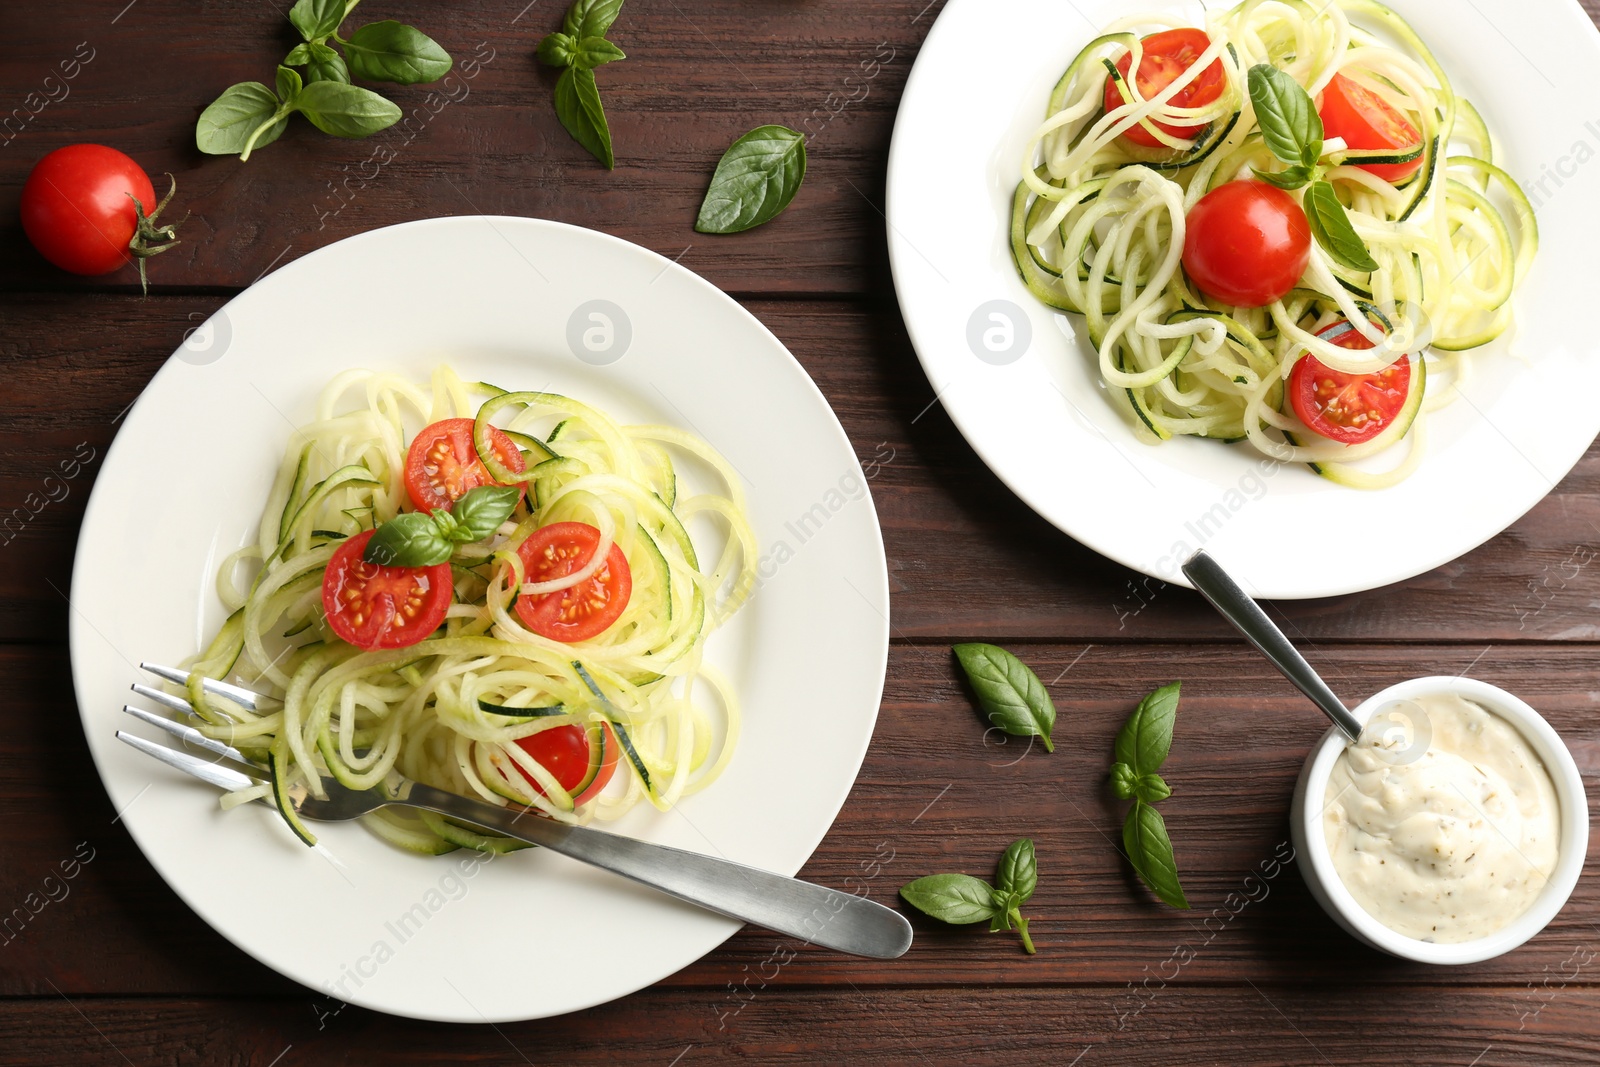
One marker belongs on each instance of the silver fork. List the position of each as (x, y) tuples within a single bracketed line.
[(813, 913)]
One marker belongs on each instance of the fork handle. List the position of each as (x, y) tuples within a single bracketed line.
[(813, 913)]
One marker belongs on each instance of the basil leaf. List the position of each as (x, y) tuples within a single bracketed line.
[(755, 179), (346, 110), (1331, 227), (556, 50), (299, 55), (580, 111), (1018, 875), (590, 18), (409, 540), (1292, 178), (480, 511), (1289, 122), (226, 124), (391, 51), (951, 898), (1146, 738), (316, 19), (596, 51), (288, 85), (326, 65), (1151, 788), (1144, 835), (1123, 780), (1011, 695)]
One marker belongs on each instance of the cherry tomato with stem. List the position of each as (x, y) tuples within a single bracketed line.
[(88, 209)]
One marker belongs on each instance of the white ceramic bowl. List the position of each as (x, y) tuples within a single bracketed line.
[(1316, 863)]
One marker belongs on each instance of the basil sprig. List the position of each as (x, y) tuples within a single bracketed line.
[(421, 539), (961, 899), (249, 115), (577, 49), (1141, 748), (1292, 131), (756, 179), (1011, 695)]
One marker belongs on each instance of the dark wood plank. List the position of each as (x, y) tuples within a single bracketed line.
[(696, 78), (938, 792), (1246, 1025), (966, 558)]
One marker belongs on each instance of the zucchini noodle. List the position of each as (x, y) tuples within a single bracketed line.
[(450, 710), (1098, 227)]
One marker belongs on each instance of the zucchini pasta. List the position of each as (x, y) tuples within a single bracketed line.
[(1162, 203), (530, 662)]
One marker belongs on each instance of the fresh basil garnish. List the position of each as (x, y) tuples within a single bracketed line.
[(409, 540), (1144, 835), (390, 51), (249, 115), (961, 899), (1292, 130), (1332, 229), (756, 178), (1288, 119), (579, 47), (1011, 695), (579, 108), (419, 539), (246, 115), (480, 511), (1141, 748)]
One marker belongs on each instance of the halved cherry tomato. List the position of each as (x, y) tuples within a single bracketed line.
[(1165, 56), (442, 465), (565, 751), (581, 611), (373, 606), (1349, 408), (1247, 243), (1367, 121)]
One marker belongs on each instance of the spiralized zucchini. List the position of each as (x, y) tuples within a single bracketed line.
[(357, 715), (1098, 230)]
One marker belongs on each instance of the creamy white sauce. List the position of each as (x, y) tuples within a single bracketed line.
[(1451, 845)]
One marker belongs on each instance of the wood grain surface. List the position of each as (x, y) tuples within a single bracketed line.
[(111, 966)]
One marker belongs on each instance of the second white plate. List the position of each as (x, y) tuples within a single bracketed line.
[(1036, 413)]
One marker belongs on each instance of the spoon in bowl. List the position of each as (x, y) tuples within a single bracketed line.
[(1247, 617)]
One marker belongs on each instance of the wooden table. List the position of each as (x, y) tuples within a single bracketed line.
[(111, 967)]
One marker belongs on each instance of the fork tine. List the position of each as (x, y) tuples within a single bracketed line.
[(165, 699), (204, 770), (243, 697), (189, 734)]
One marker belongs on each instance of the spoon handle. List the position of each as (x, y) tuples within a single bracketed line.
[(1246, 615)]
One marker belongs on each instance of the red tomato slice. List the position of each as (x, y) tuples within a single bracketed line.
[(1165, 56), (586, 609), (373, 606), (442, 465), (1349, 408), (1367, 121), (1247, 243), (566, 752)]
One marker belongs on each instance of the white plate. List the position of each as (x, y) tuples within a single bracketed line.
[(1042, 423), (530, 934)]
